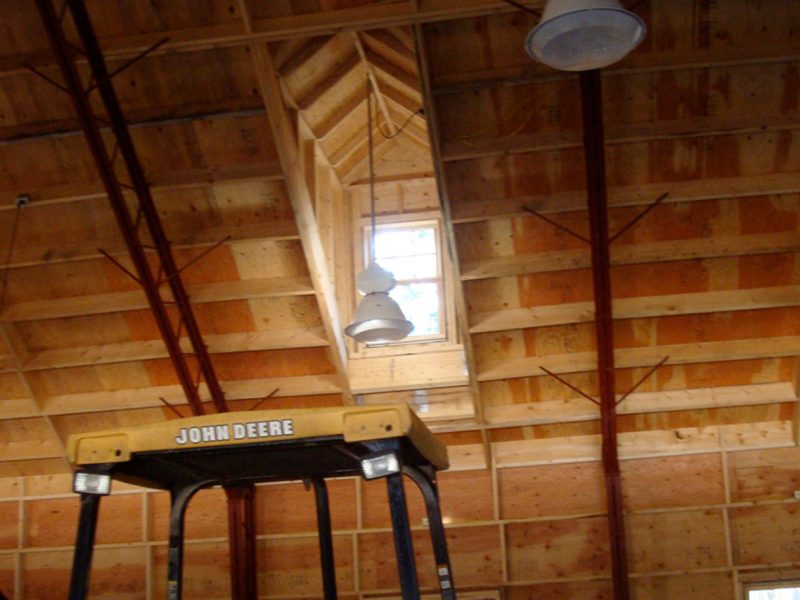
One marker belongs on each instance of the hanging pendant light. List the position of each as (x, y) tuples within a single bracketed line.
[(378, 317), (579, 35)]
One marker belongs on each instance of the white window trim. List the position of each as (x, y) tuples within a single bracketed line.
[(769, 585)]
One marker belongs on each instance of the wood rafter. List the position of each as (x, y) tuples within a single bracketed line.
[(635, 308), (449, 234), (291, 159), (256, 31), (376, 86), (679, 354), (652, 252)]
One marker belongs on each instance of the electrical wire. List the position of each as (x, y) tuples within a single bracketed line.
[(389, 136)]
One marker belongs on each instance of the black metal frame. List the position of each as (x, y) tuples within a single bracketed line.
[(193, 478)]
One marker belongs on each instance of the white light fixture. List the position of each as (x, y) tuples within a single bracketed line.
[(579, 35), (378, 318), (91, 483), (380, 465)]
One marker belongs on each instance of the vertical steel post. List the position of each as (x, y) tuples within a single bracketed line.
[(242, 541), (426, 482), (594, 148), (84, 547), (180, 497), (325, 539), (403, 543)]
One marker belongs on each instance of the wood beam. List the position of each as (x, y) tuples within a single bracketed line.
[(232, 35), (470, 210), (634, 308), (223, 291), (621, 134), (394, 75), (628, 254), (638, 62), (358, 166), (385, 43), (462, 319), (626, 358), (146, 397), (291, 158), (408, 372), (347, 67), (154, 349), (325, 128), (87, 249), (161, 183), (306, 52), (646, 444), (551, 412), (376, 86)]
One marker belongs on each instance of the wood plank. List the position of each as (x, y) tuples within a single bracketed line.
[(431, 405), (306, 52), (228, 35), (38, 466), (633, 308), (153, 349), (57, 252), (390, 47), (469, 210), (160, 183), (408, 372), (348, 66), (75, 306), (375, 84), (579, 409), (701, 352), (326, 127), (652, 61), (394, 76), (673, 250), (253, 389), (624, 134), (644, 444)]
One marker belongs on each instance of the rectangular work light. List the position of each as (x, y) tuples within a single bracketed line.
[(380, 465), (91, 483)]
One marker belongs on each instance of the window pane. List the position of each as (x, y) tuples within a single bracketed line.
[(404, 241), (777, 594), (411, 267), (420, 304)]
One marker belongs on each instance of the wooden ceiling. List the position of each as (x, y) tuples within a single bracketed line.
[(706, 110)]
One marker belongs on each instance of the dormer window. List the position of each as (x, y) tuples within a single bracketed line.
[(412, 252)]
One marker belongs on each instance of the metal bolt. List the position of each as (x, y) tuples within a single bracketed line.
[(22, 200)]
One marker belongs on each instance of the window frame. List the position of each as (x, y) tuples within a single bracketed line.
[(430, 342), (755, 586)]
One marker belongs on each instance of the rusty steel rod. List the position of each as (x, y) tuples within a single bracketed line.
[(594, 149), (242, 541), (63, 52)]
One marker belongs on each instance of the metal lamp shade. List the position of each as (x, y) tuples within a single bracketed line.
[(378, 319), (579, 35)]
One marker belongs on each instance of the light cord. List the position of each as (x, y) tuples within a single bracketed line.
[(371, 167)]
